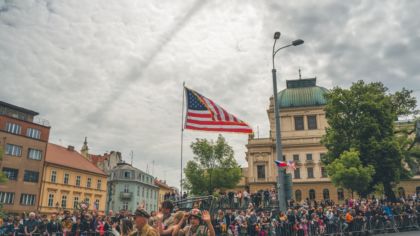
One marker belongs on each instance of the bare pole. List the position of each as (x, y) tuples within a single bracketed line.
[(182, 132)]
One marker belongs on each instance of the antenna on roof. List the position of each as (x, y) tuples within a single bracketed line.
[(153, 167), (132, 154), (300, 74)]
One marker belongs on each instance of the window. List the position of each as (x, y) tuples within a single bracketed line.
[(311, 194), (138, 191), (7, 197), (97, 204), (33, 133), (78, 181), (87, 201), (299, 123), (312, 122), (147, 193), (125, 188), (310, 172), (13, 128), (297, 173), (27, 199), (99, 184), (127, 174), (31, 176), (34, 154), (340, 194), (324, 172), (309, 156), (125, 206), (75, 202), (89, 182), (142, 178), (296, 157), (53, 176), (13, 150), (64, 201), (261, 171), (298, 195), (142, 193), (66, 178), (326, 194), (50, 200), (11, 174)]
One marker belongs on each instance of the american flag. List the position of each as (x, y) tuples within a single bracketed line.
[(204, 114), (291, 165)]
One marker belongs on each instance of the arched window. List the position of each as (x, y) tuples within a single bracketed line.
[(311, 194), (401, 192), (340, 194), (298, 195), (326, 194)]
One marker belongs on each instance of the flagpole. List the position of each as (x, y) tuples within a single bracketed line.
[(182, 133)]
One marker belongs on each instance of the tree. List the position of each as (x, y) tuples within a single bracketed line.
[(348, 172), (362, 118), (213, 167)]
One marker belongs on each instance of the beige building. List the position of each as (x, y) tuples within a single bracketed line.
[(303, 124)]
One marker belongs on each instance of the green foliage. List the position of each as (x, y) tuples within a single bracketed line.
[(213, 167), (362, 118), (348, 172)]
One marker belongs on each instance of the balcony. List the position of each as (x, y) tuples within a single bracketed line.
[(126, 196), (309, 162)]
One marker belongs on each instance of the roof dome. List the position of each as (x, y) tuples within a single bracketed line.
[(302, 93)]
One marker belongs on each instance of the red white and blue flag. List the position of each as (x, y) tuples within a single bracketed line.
[(289, 164), (204, 114), (281, 163)]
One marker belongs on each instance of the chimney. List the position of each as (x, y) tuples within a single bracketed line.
[(70, 148)]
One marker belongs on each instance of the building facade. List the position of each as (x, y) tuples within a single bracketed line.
[(69, 179), (105, 162), (129, 187), (24, 144), (164, 189), (303, 124)]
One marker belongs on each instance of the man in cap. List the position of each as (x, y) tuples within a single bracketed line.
[(195, 226), (141, 218)]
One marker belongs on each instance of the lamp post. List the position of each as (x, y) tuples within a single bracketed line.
[(280, 178)]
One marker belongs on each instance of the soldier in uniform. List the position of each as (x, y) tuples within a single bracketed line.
[(199, 224), (141, 218)]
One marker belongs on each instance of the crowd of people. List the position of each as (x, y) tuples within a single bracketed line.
[(257, 219)]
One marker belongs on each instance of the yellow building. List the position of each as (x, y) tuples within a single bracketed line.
[(163, 189), (69, 179)]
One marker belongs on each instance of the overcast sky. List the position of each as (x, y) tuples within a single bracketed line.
[(113, 70)]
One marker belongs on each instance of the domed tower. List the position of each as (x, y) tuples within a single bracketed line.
[(303, 101), (302, 125)]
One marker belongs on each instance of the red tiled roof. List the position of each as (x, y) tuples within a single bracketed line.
[(62, 156), (98, 158)]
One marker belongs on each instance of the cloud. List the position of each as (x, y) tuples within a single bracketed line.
[(113, 70)]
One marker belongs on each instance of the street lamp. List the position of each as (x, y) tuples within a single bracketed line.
[(280, 178)]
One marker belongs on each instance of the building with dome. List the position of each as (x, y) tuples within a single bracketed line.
[(303, 123)]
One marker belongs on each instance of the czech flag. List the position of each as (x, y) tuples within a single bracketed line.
[(281, 163)]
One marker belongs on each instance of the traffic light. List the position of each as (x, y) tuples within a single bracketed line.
[(288, 186)]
